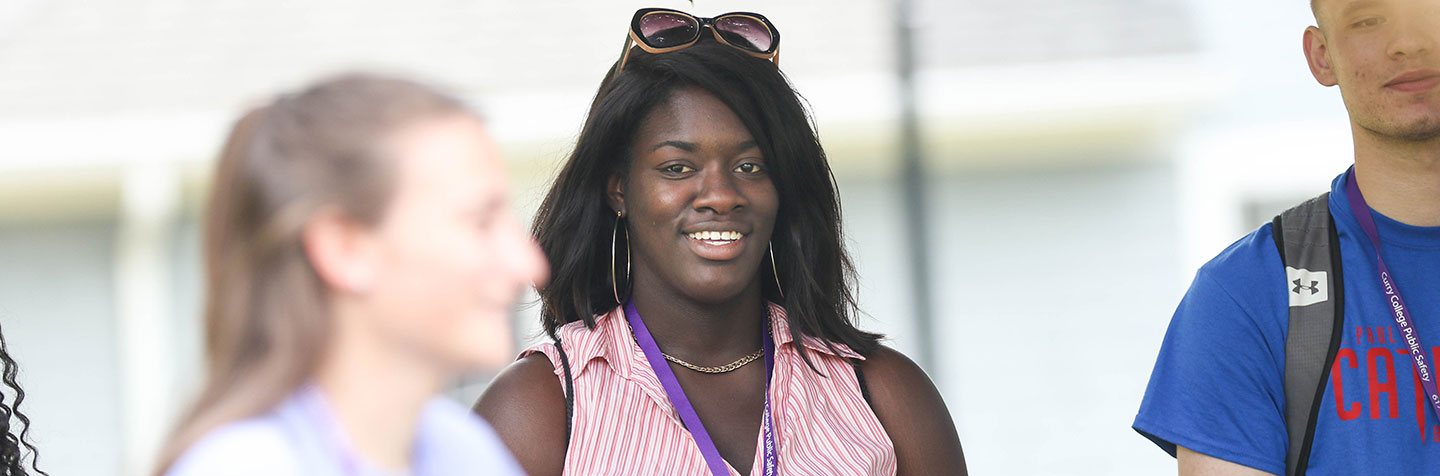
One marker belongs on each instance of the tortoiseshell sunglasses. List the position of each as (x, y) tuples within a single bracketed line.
[(662, 30)]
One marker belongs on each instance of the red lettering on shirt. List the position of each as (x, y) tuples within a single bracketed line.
[(1377, 387), (1354, 411)]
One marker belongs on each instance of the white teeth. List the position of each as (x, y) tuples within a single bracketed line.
[(716, 235)]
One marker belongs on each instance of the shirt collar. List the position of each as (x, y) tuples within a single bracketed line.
[(1392, 233), (780, 331), (612, 341)]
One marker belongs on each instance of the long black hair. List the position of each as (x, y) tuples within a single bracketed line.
[(12, 456), (575, 223)]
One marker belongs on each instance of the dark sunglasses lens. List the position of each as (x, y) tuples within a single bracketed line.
[(663, 30), (745, 32)]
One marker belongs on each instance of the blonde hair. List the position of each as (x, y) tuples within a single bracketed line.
[(266, 316)]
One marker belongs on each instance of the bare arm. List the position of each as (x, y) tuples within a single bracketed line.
[(914, 415), (526, 405), (1199, 464)]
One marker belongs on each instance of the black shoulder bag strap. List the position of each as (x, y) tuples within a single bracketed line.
[(569, 390), (860, 378), (1310, 248)]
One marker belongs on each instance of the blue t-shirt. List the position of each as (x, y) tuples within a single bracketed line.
[(1219, 388)]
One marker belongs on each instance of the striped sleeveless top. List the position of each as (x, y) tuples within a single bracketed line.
[(625, 425)]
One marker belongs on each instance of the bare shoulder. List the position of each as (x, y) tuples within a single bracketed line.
[(890, 366), (910, 407), (896, 381), (530, 378), (526, 406)]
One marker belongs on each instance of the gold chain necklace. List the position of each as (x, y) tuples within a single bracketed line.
[(730, 367), (717, 370)]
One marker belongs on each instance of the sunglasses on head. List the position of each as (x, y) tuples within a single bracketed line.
[(662, 30)]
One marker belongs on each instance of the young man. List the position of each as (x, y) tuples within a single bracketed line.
[(1217, 397)]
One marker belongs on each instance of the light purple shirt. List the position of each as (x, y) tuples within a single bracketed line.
[(302, 437)]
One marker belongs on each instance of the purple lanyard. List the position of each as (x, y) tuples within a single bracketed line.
[(1397, 305), (687, 412)]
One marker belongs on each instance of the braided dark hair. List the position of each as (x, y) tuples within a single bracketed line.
[(12, 461)]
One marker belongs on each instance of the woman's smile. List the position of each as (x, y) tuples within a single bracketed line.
[(717, 245)]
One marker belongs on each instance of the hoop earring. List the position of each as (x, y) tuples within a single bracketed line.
[(773, 271), (614, 238)]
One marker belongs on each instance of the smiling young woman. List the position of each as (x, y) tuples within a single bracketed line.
[(698, 197)]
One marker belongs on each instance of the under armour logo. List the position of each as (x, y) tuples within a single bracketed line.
[(1317, 282)]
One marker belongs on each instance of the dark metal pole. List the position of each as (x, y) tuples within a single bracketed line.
[(917, 230)]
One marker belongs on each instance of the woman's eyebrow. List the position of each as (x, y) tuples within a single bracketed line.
[(693, 147), (682, 145), (488, 206)]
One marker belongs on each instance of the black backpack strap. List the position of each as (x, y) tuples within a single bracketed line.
[(860, 377), (569, 390), (1310, 248)]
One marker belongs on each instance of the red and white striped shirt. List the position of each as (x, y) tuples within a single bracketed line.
[(624, 424)]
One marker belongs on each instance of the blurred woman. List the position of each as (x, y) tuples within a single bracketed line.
[(361, 254), (698, 197)]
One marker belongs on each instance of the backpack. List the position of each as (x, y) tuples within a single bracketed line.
[(1310, 248)]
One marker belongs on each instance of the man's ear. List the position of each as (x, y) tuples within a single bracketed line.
[(615, 193), (1317, 54), (340, 250)]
